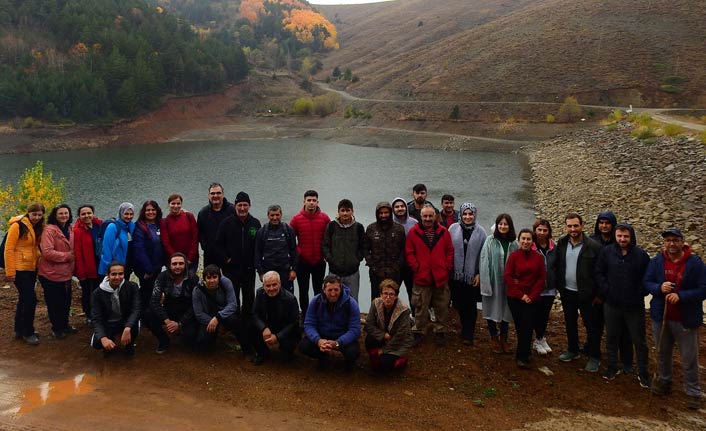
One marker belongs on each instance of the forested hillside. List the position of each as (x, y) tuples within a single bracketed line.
[(87, 60)]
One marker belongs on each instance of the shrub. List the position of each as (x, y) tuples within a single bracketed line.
[(303, 106), (641, 119), (33, 186), (673, 130), (355, 78), (569, 111), (616, 115), (305, 85), (336, 72), (669, 88), (353, 112), (550, 118), (644, 132), (326, 104), (455, 113), (30, 122), (611, 127), (702, 137)]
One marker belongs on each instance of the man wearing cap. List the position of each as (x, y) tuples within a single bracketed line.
[(235, 242), (209, 218), (677, 280)]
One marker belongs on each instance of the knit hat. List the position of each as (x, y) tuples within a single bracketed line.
[(468, 206), (124, 207), (242, 197)]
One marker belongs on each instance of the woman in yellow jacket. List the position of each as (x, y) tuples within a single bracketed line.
[(21, 255)]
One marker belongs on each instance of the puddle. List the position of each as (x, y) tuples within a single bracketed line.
[(52, 392)]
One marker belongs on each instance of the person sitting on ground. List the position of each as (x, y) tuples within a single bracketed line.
[(216, 310), (170, 309), (275, 319), (332, 324), (389, 336), (115, 308)]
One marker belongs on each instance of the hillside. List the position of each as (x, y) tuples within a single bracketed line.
[(610, 52)]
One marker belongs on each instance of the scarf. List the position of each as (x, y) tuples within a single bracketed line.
[(466, 252), (115, 310)]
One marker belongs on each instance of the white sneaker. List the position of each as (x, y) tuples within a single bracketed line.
[(547, 349), (537, 345), (432, 316)]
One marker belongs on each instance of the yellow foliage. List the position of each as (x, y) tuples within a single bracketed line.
[(33, 186), (249, 9), (302, 23)]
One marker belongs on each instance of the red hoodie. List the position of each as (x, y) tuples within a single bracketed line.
[(309, 229), (180, 233), (673, 273)]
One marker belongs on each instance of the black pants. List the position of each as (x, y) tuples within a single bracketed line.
[(350, 351), (88, 285), (625, 324), (524, 315), (243, 283), (541, 320), (115, 329), (207, 340), (464, 298), (572, 307), (26, 302), (286, 345), (57, 295), (304, 272), (175, 312)]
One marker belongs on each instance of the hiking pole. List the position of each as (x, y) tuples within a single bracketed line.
[(658, 351)]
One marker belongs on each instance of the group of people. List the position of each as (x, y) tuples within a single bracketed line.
[(443, 257)]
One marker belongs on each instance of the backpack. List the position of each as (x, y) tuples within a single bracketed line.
[(98, 243), (2, 251)]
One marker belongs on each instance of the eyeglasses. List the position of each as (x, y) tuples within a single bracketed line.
[(388, 294)]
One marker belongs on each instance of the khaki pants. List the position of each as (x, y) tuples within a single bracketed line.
[(437, 298)]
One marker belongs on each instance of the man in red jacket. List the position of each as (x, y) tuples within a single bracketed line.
[(309, 225), (430, 254)]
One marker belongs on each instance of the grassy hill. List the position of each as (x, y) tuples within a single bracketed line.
[(610, 52)]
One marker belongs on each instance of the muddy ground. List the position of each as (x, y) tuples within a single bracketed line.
[(452, 388)]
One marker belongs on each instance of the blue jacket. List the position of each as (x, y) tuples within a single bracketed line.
[(221, 304), (116, 244), (342, 325), (148, 250), (692, 290)]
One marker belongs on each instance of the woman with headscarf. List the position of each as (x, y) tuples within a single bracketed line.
[(85, 232), (148, 250), (180, 232), (467, 237), (21, 255), (117, 239), (56, 266), (496, 249)]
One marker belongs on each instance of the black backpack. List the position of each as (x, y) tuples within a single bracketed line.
[(2, 251)]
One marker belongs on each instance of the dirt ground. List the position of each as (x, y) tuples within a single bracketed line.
[(451, 388)]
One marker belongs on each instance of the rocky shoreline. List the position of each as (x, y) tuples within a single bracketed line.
[(653, 184)]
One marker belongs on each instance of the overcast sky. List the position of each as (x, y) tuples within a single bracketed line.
[(345, 1)]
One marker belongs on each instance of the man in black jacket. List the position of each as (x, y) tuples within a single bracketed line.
[(209, 219), (275, 320), (170, 309), (115, 308), (384, 248), (276, 248), (235, 242), (343, 244), (620, 270), (574, 268)]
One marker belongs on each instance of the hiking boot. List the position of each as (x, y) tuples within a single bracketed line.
[(523, 364), (32, 340), (661, 388), (569, 356), (539, 347), (504, 344), (592, 365), (628, 370), (495, 344), (644, 380), (440, 339), (467, 341), (59, 335), (610, 373), (694, 402), (162, 347), (71, 330), (257, 359)]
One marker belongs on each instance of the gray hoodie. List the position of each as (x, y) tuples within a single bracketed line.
[(409, 222)]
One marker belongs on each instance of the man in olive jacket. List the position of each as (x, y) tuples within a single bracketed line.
[(384, 248), (574, 268)]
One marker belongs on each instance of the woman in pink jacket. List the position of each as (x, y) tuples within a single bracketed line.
[(56, 267)]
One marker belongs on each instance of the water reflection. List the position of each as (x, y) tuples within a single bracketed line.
[(56, 391)]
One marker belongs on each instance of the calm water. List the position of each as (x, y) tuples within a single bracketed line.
[(279, 171)]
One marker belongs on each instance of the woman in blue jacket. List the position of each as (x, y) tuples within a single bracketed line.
[(117, 240), (148, 250)]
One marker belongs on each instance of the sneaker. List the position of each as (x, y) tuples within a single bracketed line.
[(539, 347), (59, 335), (432, 315), (610, 373), (71, 330), (547, 349), (644, 380), (257, 359), (628, 370), (569, 356), (162, 348), (592, 365), (522, 364), (694, 402), (32, 340)]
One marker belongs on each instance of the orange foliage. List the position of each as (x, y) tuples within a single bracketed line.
[(78, 50), (302, 24)]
